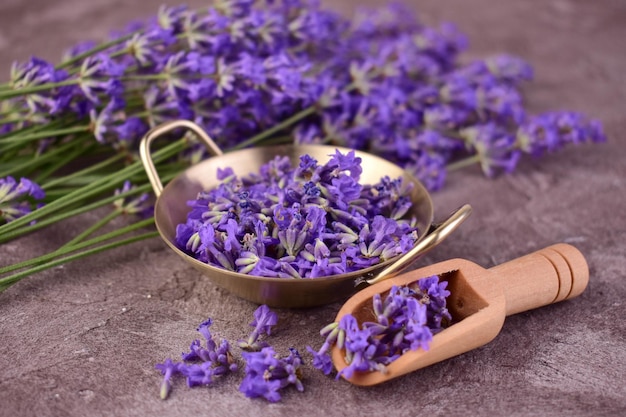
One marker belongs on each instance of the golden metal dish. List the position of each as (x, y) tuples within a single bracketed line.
[(171, 209)]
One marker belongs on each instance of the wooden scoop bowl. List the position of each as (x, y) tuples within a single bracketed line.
[(479, 301)]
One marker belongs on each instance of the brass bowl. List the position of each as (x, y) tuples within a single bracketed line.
[(171, 209)]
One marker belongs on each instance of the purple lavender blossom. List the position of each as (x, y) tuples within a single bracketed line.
[(494, 145), (16, 198), (434, 295), (141, 205), (36, 72), (267, 374), (168, 369), (99, 75), (321, 360), (264, 320), (549, 132)]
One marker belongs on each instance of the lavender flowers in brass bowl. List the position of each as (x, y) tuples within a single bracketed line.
[(292, 226)]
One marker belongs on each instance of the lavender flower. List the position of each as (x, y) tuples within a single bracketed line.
[(37, 72), (267, 374), (434, 295), (494, 146), (550, 131), (139, 205), (99, 75), (168, 369), (14, 197), (264, 320), (321, 358)]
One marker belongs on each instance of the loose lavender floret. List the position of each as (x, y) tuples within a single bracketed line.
[(321, 358), (405, 319), (299, 222), (434, 295), (168, 369), (264, 320), (14, 198), (202, 364), (267, 374)]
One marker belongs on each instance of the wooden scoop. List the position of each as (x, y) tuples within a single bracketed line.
[(479, 301)]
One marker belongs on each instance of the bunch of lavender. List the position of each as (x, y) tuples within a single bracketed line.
[(249, 72), (201, 365), (406, 319), (304, 222)]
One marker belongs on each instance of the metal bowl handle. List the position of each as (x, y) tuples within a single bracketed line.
[(144, 148), (435, 236)]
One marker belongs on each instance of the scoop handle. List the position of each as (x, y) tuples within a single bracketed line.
[(555, 273)]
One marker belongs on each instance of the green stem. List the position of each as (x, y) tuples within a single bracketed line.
[(12, 279), (277, 128), (10, 151), (71, 213), (95, 49), (65, 160), (34, 163), (93, 228), (52, 195), (146, 77), (44, 134), (81, 173), (22, 91), (33, 128), (279, 140), (73, 183), (463, 163), (65, 250), (15, 120)]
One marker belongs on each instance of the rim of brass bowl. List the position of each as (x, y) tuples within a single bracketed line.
[(171, 209)]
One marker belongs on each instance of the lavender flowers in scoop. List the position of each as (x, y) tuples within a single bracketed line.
[(306, 221)]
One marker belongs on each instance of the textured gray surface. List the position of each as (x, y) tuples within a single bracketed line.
[(83, 339)]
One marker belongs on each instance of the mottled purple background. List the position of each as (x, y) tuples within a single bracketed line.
[(82, 340)]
